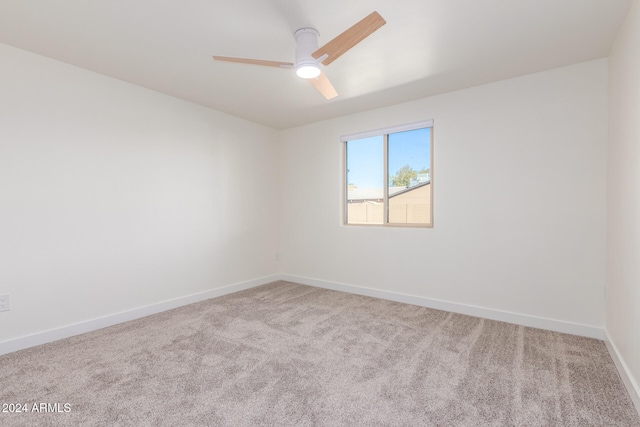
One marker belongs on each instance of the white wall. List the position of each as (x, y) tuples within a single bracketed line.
[(623, 265), (520, 200), (113, 197)]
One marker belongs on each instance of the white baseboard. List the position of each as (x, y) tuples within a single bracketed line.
[(113, 319), (486, 313), (33, 340), (625, 374)]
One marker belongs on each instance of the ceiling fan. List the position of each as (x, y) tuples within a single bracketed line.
[(309, 57)]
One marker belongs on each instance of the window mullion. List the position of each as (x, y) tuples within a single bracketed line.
[(385, 186)]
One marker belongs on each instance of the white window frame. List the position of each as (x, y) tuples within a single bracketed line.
[(384, 132)]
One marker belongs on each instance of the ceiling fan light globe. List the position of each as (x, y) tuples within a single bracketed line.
[(308, 71)]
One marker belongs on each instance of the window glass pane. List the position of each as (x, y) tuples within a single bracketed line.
[(365, 181), (409, 159)]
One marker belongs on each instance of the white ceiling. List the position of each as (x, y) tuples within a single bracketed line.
[(427, 46)]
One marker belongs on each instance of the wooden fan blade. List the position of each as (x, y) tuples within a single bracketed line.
[(324, 86), (351, 37), (254, 61)]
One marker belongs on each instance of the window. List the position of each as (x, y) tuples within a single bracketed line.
[(389, 176)]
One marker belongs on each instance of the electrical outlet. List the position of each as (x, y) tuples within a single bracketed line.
[(5, 303)]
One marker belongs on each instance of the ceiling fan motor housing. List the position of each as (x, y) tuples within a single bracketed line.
[(306, 43)]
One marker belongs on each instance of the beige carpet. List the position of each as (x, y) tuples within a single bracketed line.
[(285, 354)]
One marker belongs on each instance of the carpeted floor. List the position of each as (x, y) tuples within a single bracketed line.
[(285, 354)]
